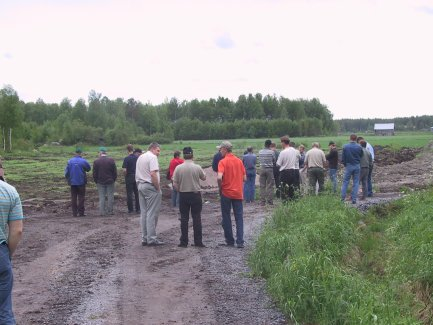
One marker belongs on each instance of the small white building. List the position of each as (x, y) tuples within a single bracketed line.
[(384, 129)]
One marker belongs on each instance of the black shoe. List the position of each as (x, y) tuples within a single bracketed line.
[(82, 215), (156, 243), (199, 245), (225, 244), (144, 243), (240, 245), (130, 211), (183, 245)]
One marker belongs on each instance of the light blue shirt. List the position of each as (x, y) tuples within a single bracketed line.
[(10, 208)]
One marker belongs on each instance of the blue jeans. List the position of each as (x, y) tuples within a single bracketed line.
[(369, 182), (333, 178), (351, 171), (6, 281), (226, 205), (250, 186), (174, 198)]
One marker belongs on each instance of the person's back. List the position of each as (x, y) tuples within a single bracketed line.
[(215, 161), (234, 171), (104, 170), (352, 153), (76, 170)]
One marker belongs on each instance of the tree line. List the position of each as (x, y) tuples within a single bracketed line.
[(413, 123), (101, 120)]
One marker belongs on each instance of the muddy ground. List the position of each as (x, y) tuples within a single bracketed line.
[(93, 270)]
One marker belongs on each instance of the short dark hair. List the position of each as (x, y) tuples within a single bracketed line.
[(268, 143), (353, 137), (285, 139), (363, 143), (176, 154), (130, 147), (250, 149), (138, 150), (358, 139), (292, 144)]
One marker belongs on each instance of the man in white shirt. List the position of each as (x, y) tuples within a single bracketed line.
[(288, 162), (150, 195)]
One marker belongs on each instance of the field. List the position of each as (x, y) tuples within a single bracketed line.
[(93, 270)]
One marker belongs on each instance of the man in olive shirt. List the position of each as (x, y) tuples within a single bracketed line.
[(186, 180)]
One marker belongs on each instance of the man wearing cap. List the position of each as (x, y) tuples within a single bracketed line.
[(186, 181), (149, 191), (267, 160), (332, 158), (129, 171), (75, 173), (104, 175), (11, 228), (231, 175)]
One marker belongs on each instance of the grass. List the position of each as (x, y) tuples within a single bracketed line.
[(326, 263)]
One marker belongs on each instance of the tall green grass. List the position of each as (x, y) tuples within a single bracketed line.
[(326, 263)]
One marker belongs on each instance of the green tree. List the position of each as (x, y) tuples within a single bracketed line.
[(11, 115)]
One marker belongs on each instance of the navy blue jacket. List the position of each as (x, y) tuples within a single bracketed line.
[(352, 153)]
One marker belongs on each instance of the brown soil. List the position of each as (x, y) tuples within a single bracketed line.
[(93, 270)]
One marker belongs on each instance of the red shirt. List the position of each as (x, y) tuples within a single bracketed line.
[(233, 171), (173, 164)]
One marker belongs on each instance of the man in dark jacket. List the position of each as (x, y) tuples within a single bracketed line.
[(129, 171), (332, 158), (104, 175), (75, 173)]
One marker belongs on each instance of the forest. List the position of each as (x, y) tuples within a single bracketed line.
[(101, 120)]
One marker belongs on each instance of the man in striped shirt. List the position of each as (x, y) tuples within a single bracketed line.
[(267, 181), (11, 215)]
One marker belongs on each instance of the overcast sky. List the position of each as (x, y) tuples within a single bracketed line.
[(366, 58)]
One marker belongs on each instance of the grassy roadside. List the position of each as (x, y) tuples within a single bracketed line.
[(326, 263)]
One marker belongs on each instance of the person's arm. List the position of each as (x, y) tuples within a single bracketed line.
[(202, 175), (114, 170), (220, 181), (15, 234), (86, 166), (155, 180), (95, 173)]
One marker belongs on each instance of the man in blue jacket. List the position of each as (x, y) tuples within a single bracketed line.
[(351, 159), (75, 173)]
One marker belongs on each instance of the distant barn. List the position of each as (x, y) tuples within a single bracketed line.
[(384, 129)]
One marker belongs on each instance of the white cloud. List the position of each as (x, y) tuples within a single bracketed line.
[(361, 58)]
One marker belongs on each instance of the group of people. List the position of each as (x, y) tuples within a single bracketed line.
[(291, 172)]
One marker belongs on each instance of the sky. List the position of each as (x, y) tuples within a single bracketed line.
[(362, 59)]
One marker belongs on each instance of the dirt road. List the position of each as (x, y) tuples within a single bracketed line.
[(93, 270)]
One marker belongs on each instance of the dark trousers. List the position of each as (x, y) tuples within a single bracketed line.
[(277, 180), (131, 189), (190, 201), (78, 192), (316, 175), (238, 210), (290, 183)]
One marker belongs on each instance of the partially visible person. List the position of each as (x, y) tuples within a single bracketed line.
[(2, 172), (267, 160), (315, 162), (186, 180), (332, 158), (231, 175), (75, 173), (303, 184), (288, 162), (351, 158), (174, 162), (276, 170), (249, 160), (370, 170), (149, 190), (105, 175), (366, 162), (128, 166), (11, 229), (216, 159)]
